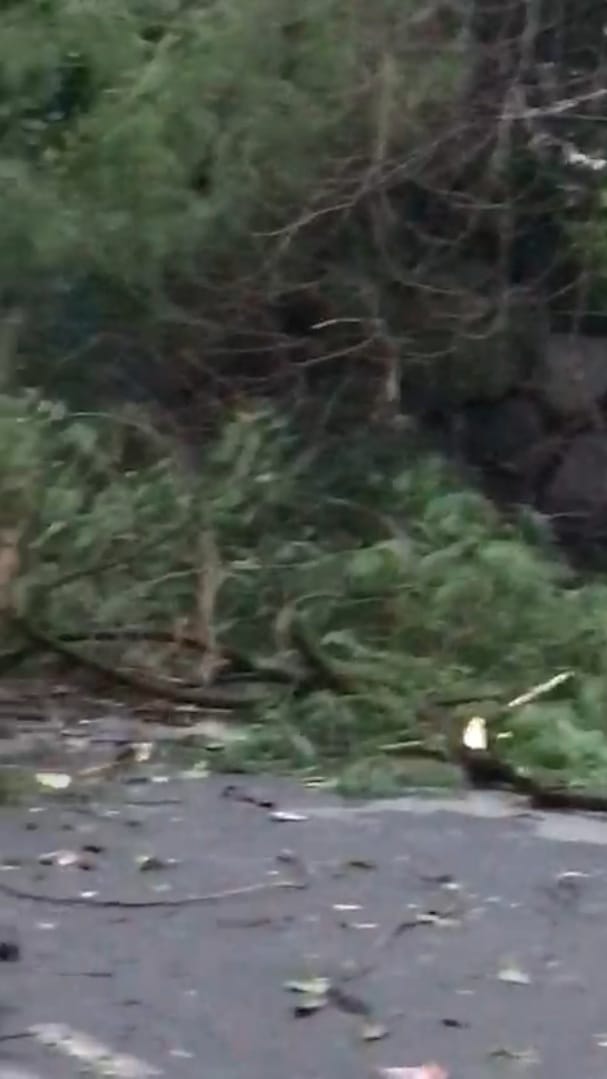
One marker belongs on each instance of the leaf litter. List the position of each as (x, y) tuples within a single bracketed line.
[(364, 864), (418, 1071), (373, 1032), (525, 1057), (312, 994), (148, 863), (310, 986), (316, 993), (287, 816), (309, 1004), (512, 974), (62, 858)]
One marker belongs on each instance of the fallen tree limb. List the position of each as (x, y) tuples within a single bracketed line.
[(143, 682), (240, 663)]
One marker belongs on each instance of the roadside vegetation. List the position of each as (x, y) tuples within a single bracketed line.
[(356, 608), (233, 209)]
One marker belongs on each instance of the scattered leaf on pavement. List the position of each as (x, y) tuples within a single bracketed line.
[(513, 975), (359, 863), (428, 917), (312, 994), (420, 1071), (182, 1054), (310, 986), (435, 917), (61, 858), (286, 815), (240, 794), (308, 1003), (373, 1032), (150, 862), (521, 1056)]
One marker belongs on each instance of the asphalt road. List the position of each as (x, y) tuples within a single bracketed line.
[(461, 933)]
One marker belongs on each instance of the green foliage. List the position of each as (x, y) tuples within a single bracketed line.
[(415, 587), (550, 738), (139, 137)]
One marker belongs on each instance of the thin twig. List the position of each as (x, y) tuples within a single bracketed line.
[(539, 691), (125, 558), (559, 107), (142, 904)]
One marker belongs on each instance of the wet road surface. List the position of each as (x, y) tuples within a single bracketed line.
[(468, 938)]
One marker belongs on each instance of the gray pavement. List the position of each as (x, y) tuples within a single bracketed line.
[(472, 933)]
